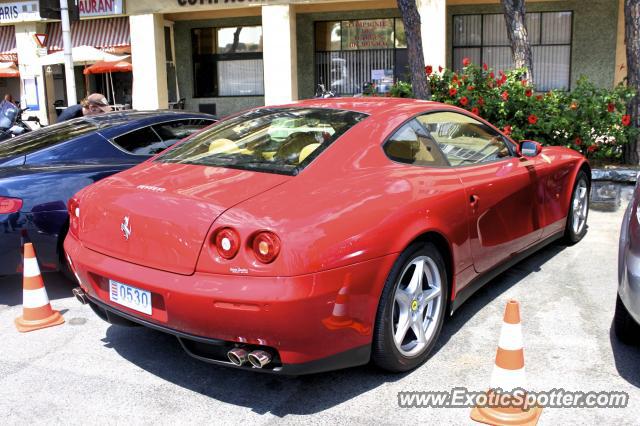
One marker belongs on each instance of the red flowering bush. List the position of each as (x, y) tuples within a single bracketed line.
[(588, 119)]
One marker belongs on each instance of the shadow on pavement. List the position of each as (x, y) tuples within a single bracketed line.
[(58, 287), (161, 355), (627, 359)]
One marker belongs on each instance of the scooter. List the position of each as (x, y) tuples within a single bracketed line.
[(11, 123)]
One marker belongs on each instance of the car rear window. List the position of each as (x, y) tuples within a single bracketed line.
[(45, 137), (276, 140)]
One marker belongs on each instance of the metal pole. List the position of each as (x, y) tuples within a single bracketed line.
[(68, 59)]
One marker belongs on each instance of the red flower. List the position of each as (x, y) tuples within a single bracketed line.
[(428, 70), (578, 141), (501, 72), (480, 101), (464, 101), (503, 79), (455, 77), (533, 119), (492, 75), (539, 97), (485, 67), (475, 111), (466, 62), (507, 130), (611, 107), (592, 148), (440, 68), (470, 88), (626, 120), (528, 93), (453, 91), (505, 95)]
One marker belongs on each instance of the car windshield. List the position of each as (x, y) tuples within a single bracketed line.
[(276, 140), (45, 137)]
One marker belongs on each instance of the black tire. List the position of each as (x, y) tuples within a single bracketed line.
[(626, 328), (385, 354), (570, 235)]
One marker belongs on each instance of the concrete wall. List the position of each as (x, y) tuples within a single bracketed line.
[(595, 33), (184, 63)]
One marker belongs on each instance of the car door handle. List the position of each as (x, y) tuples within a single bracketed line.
[(473, 200)]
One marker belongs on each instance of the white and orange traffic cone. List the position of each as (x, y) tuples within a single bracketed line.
[(339, 317), (508, 375), (36, 309)]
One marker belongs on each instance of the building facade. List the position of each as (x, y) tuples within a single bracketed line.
[(223, 56)]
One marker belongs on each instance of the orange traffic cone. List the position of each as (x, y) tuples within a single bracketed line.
[(339, 318), (508, 375), (36, 310)]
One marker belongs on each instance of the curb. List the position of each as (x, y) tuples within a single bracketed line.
[(615, 175)]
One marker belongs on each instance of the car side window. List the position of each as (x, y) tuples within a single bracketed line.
[(412, 145), (464, 140), (144, 141), (173, 131)]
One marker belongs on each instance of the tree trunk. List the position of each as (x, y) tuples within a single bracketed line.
[(411, 20), (514, 16), (632, 42)]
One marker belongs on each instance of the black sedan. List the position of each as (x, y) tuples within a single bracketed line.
[(41, 170)]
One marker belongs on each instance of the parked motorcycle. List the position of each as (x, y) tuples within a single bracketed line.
[(11, 123)]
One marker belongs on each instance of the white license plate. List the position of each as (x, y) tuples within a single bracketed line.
[(131, 297)]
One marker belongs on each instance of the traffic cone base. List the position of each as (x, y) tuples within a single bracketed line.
[(24, 325), (513, 416)]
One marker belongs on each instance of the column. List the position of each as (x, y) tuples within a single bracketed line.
[(433, 19), (149, 62), (31, 70), (279, 53)]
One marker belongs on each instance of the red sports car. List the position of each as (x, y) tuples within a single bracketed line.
[(321, 234)]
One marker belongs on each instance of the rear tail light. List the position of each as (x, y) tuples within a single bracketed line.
[(10, 205), (266, 246), (74, 215), (227, 242)]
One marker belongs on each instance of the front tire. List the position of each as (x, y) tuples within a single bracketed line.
[(576, 227), (411, 310)]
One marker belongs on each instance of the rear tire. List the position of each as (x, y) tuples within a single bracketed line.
[(576, 227), (411, 310), (626, 328)]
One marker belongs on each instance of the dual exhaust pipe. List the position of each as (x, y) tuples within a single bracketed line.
[(257, 358)]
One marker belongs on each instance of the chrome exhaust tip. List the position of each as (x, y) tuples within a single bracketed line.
[(79, 293), (259, 358), (237, 356)]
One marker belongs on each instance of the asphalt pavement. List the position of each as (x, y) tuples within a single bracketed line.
[(87, 371)]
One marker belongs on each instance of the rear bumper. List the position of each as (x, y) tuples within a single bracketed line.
[(295, 317), (629, 266)]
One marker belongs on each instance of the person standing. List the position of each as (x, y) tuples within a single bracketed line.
[(93, 104)]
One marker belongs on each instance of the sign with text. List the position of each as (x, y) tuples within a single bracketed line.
[(19, 12), (367, 34), (100, 7)]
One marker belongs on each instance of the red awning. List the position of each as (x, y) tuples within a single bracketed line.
[(8, 50), (99, 33), (9, 70), (105, 67)]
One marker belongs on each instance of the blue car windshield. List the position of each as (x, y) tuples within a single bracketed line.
[(45, 137)]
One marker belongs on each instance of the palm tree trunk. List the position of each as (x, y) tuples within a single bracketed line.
[(632, 42), (514, 16), (411, 20)]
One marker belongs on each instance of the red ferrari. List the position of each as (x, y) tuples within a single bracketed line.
[(322, 234)]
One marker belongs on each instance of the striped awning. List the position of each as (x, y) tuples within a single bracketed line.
[(8, 51), (98, 33)]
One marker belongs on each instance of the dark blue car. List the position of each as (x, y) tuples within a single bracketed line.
[(41, 170)]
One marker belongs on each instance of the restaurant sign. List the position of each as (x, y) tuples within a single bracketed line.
[(100, 7)]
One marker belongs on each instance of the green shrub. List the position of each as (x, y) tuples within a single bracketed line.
[(588, 119)]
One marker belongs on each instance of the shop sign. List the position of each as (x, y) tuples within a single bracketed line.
[(100, 7), (209, 2), (367, 34), (19, 12)]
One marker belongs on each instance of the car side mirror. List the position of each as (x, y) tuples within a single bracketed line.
[(530, 148)]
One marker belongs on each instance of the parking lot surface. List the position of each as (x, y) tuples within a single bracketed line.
[(87, 371)]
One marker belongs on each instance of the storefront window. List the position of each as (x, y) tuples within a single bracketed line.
[(227, 61), (484, 39), (350, 54)]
